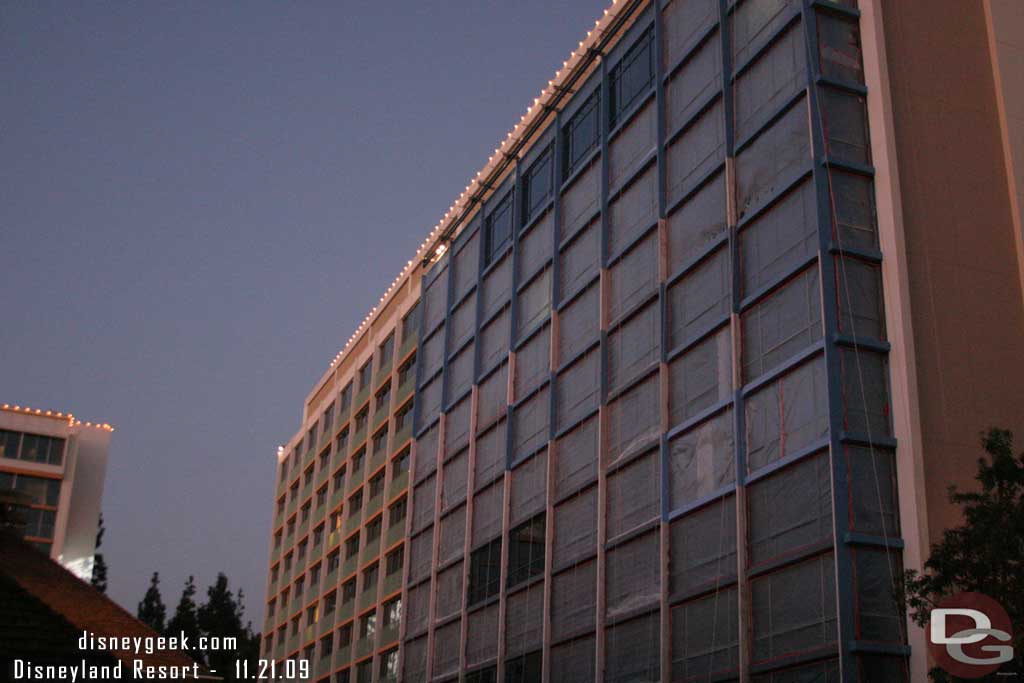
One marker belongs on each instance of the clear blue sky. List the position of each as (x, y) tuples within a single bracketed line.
[(200, 201)]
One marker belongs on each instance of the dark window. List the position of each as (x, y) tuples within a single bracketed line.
[(403, 416), (302, 549), (368, 625), (537, 185), (370, 575), (321, 496), (389, 665), (384, 397), (523, 669), (499, 228), (328, 418), (632, 77), (488, 675), (581, 134), (373, 529), (318, 535), (326, 646), (325, 457), (400, 463), (407, 370), (345, 400), (393, 561), (352, 547), (376, 485), (396, 513), (330, 602), (357, 460), (343, 676), (305, 513), (348, 591), (341, 445), (364, 671), (308, 478), (380, 441), (355, 502), (333, 560), (34, 447), (365, 375), (485, 572), (392, 613), (311, 437), (361, 418), (387, 349), (411, 323), (339, 479), (314, 576), (308, 652), (526, 550), (345, 636)]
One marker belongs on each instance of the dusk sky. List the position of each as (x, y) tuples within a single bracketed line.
[(199, 201)]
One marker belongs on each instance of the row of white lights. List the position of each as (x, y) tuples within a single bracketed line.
[(52, 413), (459, 203)]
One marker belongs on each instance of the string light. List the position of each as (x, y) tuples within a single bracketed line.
[(72, 422), (538, 108)]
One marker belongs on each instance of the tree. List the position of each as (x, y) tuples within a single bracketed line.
[(985, 554), (152, 611), (99, 565), (221, 616), (185, 619)]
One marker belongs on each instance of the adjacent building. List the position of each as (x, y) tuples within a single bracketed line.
[(675, 389), (57, 464)]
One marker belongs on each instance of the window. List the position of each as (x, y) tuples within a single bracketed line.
[(40, 491), (400, 463), (537, 185), (321, 496), (34, 447), (403, 416), (341, 444), (389, 665), (524, 668), (386, 351), (352, 547), (486, 675), (373, 529), (345, 636), (328, 418), (581, 134), (355, 502), (326, 646), (305, 513), (357, 460), (407, 370), (314, 576), (384, 397), (368, 625), (302, 549), (361, 418), (393, 561), (370, 575), (325, 458), (526, 550), (336, 520), (376, 485), (291, 526), (348, 591), (411, 323), (277, 540), (484, 572), (311, 437), (632, 77), (307, 653), (380, 441), (345, 401), (333, 560), (364, 671), (397, 512), (499, 228), (311, 613), (339, 479), (365, 375)]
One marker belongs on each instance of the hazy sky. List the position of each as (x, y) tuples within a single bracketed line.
[(199, 201)]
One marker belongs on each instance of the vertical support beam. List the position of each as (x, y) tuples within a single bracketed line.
[(603, 417), (840, 522), (467, 539)]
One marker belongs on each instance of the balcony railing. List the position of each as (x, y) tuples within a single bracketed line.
[(342, 657), (394, 533), (371, 551), (364, 646)]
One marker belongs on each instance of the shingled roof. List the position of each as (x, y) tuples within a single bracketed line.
[(44, 609)]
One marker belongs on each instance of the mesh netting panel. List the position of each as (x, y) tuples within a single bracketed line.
[(429, 400), (573, 662), (684, 22), (431, 355), (483, 629), (462, 323), (490, 454), (417, 610), (702, 547), (634, 420), (459, 374), (626, 509), (877, 574), (421, 550), (634, 277), (576, 457), (779, 239), (787, 415), (466, 265), (846, 125), (790, 509), (578, 324), (773, 159), (794, 609), (633, 346), (873, 500), (529, 488), (633, 574), (423, 503), (533, 363), (865, 392), (574, 600), (535, 247), (493, 343), (524, 619), (784, 323), (530, 424), (634, 211), (705, 636), (497, 286), (627, 150), (453, 487), (701, 461), (578, 389), (414, 658), (697, 223), (534, 303), (700, 299), (492, 400), (580, 259), (449, 592), (879, 669), (698, 151), (754, 22), (853, 199), (453, 535), (632, 650), (435, 300), (701, 377), (777, 75), (487, 513), (575, 528), (580, 202), (447, 645), (426, 453), (456, 425), (819, 672)]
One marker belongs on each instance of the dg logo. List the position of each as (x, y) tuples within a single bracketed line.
[(969, 635)]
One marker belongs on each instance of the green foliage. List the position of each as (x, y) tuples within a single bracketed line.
[(151, 610), (985, 554), (185, 619), (99, 565)]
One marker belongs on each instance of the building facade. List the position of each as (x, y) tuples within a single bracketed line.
[(57, 463), (685, 404)]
